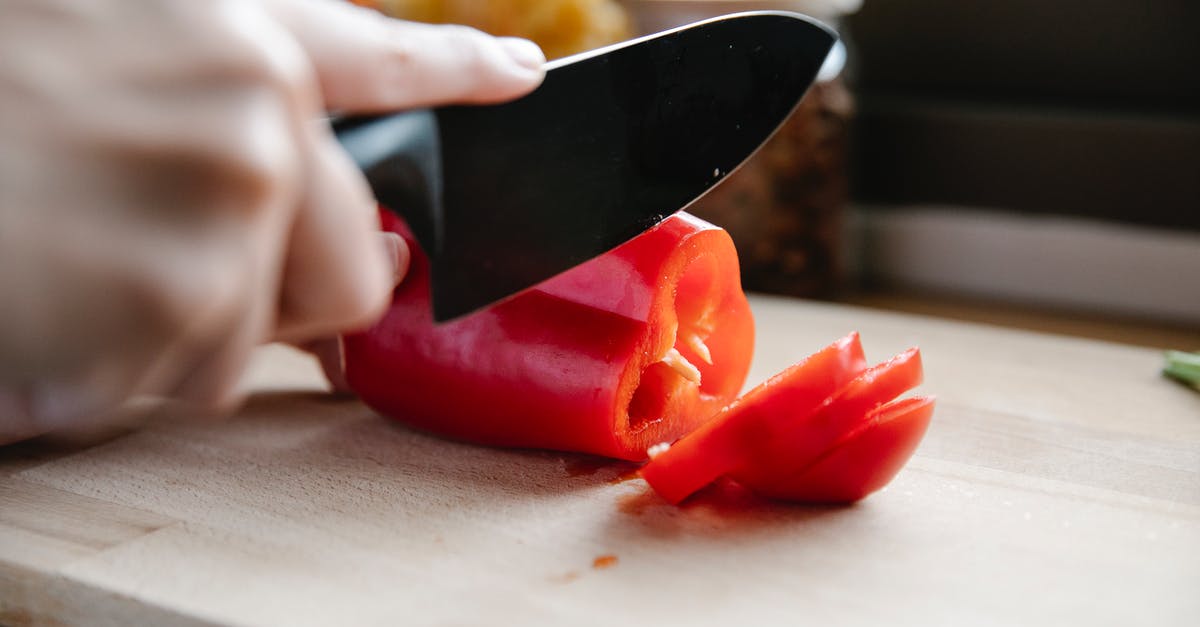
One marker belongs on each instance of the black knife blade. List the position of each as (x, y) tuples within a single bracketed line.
[(502, 197)]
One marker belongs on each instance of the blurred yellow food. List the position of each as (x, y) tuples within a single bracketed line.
[(560, 27)]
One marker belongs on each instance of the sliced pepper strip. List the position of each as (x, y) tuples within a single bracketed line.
[(804, 438), (862, 462), (733, 436), (778, 430), (638, 346)]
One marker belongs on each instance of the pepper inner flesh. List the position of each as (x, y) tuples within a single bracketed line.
[(697, 297), (677, 362), (679, 368), (695, 342)]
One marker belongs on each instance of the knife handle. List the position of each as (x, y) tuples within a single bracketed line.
[(400, 154)]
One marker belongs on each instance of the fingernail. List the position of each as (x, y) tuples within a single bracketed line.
[(54, 406), (524, 52), (398, 254), (332, 357)]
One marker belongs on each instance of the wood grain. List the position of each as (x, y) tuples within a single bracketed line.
[(1139, 331), (1059, 483)]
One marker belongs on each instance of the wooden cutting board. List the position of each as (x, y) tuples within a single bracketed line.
[(1059, 483)]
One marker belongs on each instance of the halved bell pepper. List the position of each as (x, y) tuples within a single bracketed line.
[(638, 346)]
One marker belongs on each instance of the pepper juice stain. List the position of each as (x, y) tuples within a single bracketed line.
[(604, 561), (628, 475), (566, 577), (589, 465), (637, 503), (585, 466)]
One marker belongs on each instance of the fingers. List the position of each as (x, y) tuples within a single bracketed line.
[(212, 380), (396, 250), (31, 409), (337, 276), (35, 409), (302, 254), (335, 279), (368, 62), (328, 351), (332, 359)]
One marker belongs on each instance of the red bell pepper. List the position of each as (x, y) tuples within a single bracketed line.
[(642, 346), (822, 430), (639, 346)]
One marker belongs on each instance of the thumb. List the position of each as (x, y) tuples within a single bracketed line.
[(366, 61)]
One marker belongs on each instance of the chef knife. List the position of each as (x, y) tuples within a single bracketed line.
[(502, 197)]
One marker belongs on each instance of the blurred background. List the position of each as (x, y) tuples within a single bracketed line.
[(1017, 162)]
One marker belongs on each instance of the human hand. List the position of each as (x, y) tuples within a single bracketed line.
[(170, 197)]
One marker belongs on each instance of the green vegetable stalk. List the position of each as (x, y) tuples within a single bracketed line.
[(1183, 366)]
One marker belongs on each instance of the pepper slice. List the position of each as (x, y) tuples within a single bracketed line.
[(733, 437), (770, 438), (863, 461), (638, 346)]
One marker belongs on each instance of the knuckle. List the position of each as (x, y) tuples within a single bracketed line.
[(365, 302), (245, 169), (353, 304), (472, 47), (426, 64), (227, 134), (388, 75), (249, 161), (349, 300), (285, 67), (248, 50), (266, 164)]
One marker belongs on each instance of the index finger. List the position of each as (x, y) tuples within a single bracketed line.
[(369, 62)]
